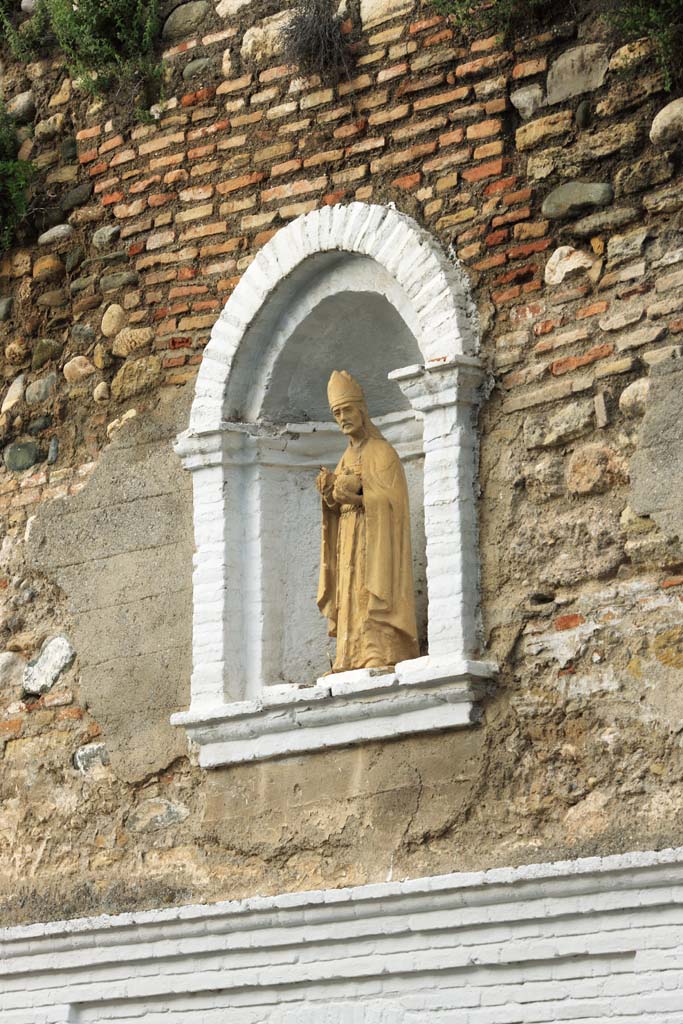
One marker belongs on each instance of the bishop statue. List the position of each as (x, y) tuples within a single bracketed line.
[(366, 575)]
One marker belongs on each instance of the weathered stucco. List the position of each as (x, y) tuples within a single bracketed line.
[(121, 552)]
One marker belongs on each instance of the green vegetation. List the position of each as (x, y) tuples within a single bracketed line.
[(500, 16), (27, 39), (15, 175), (105, 42), (660, 21)]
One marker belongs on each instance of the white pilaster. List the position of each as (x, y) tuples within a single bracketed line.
[(447, 396)]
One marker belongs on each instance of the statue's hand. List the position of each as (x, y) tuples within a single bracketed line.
[(325, 482), (347, 490)]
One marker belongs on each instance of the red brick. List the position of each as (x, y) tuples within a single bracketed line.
[(332, 198), (487, 170), (507, 294), (89, 133), (488, 149), (437, 100), (328, 156), (444, 36), (125, 210), (204, 230), (264, 236), (523, 195), (286, 167), (672, 581), (208, 129), (294, 188), (233, 184), (112, 197), (96, 169), (496, 237), (496, 106), (11, 728), (110, 144), (595, 309), (199, 152), (73, 714), (172, 177), (537, 229), (512, 217), (517, 274), (568, 622), (499, 186), (170, 361), (530, 67), (451, 138), (347, 131), (484, 129), (196, 193), (474, 67), (365, 146), (408, 181), (88, 156), (482, 45), (161, 142), (490, 262), (190, 99), (144, 184), (528, 248), (387, 116), (404, 156), (420, 84), (396, 71), (161, 198), (569, 363), (546, 326), (424, 24)]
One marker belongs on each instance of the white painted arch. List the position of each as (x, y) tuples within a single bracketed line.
[(250, 443), (430, 291)]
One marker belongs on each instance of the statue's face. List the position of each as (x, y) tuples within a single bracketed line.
[(349, 418)]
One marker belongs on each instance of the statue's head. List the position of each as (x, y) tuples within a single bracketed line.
[(347, 402)]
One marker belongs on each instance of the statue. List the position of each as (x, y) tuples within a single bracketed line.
[(366, 573)]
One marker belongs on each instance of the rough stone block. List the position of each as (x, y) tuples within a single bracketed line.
[(577, 71)]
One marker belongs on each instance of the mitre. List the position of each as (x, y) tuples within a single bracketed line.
[(343, 388)]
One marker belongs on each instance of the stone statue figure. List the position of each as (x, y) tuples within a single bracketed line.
[(366, 573)]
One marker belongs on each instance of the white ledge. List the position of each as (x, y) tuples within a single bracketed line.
[(424, 695)]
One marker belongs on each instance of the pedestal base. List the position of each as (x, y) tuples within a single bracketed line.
[(424, 695)]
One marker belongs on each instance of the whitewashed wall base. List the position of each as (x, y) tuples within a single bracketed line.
[(340, 710), (598, 941)]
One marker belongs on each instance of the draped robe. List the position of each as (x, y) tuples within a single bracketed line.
[(366, 575)]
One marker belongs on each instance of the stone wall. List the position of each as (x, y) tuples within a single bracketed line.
[(542, 168)]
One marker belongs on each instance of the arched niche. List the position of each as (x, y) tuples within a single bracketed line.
[(361, 288)]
